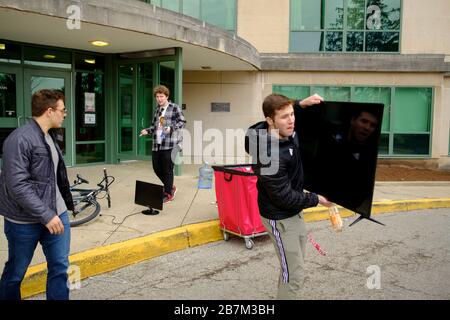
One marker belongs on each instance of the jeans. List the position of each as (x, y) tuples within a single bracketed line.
[(22, 242), (163, 167)]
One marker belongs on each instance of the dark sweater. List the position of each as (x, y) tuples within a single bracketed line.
[(280, 176)]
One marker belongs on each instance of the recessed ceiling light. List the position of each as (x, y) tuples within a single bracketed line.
[(2, 46), (91, 61), (99, 43), (49, 56)]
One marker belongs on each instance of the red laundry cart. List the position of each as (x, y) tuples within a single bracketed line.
[(237, 202)]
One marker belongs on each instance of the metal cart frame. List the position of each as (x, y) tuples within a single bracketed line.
[(247, 238)]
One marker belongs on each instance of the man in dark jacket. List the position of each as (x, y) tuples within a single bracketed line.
[(281, 198), (34, 198)]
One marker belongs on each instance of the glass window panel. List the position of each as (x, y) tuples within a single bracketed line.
[(173, 5), (377, 95), (126, 139), (332, 93), (306, 41), (373, 17), (355, 41), (38, 83), (145, 103), (382, 41), (293, 92), (306, 15), (191, 8), (355, 14), (88, 62), (167, 77), (417, 144), (221, 13), (334, 14), (47, 57), (383, 145), (156, 2), (333, 41), (89, 83), (412, 110), (4, 133), (320, 91), (8, 104), (145, 81), (126, 108), (9, 52), (89, 153), (383, 14)]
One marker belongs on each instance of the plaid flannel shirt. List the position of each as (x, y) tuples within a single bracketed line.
[(175, 120)]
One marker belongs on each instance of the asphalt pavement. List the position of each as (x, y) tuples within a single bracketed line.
[(409, 258), (122, 235)]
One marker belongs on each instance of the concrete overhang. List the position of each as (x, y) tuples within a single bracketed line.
[(129, 26), (355, 62)]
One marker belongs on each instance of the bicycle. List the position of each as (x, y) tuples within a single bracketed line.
[(85, 200)]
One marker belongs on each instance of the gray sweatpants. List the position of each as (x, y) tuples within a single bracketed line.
[(289, 239)]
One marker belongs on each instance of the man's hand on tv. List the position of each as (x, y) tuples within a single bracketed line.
[(311, 100), (323, 201)]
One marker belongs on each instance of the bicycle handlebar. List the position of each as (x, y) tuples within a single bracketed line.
[(87, 198), (79, 178)]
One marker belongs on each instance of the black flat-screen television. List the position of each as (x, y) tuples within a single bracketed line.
[(339, 149), (149, 195)]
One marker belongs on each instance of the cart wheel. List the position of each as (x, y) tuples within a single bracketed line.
[(226, 236), (249, 243)]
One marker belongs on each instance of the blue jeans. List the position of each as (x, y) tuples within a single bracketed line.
[(22, 241)]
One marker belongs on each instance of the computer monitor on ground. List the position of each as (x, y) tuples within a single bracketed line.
[(149, 195)]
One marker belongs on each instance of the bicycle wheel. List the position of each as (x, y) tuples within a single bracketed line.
[(85, 210)]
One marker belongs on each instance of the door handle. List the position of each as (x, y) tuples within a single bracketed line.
[(18, 120), (142, 122)]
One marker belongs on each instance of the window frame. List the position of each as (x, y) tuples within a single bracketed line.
[(390, 133), (180, 10), (345, 31)]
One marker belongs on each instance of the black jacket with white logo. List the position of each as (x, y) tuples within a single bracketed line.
[(280, 173)]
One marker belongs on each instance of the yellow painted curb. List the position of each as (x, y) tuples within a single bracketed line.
[(321, 213), (118, 255), (111, 257)]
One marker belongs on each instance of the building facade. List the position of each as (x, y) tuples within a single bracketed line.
[(220, 58)]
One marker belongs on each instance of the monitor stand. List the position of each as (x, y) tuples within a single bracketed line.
[(371, 219), (150, 212)]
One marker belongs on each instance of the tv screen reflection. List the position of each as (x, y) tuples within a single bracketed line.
[(339, 149)]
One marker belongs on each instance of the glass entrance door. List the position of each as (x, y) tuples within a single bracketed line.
[(127, 108), (11, 104), (137, 104), (145, 107), (16, 89), (35, 80)]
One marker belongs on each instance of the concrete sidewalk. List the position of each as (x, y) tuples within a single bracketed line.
[(191, 219)]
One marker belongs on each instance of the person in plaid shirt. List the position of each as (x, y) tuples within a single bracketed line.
[(168, 122)]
